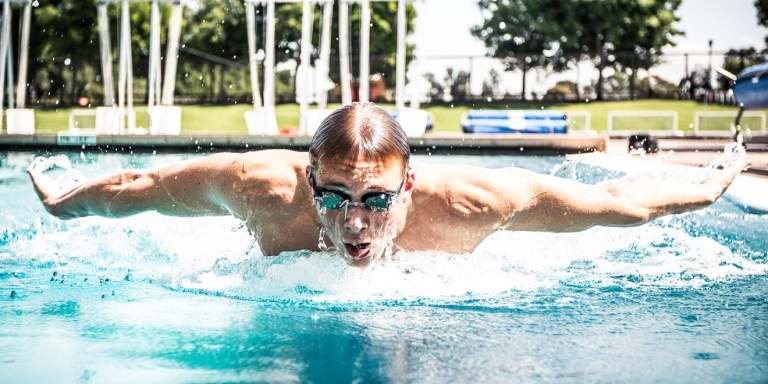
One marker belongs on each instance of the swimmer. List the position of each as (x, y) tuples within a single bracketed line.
[(358, 193)]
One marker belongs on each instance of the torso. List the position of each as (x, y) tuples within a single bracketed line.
[(288, 221)]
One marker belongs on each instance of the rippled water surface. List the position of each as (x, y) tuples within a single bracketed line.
[(159, 299)]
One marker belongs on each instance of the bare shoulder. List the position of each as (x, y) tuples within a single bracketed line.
[(247, 184), (264, 181), (474, 193)]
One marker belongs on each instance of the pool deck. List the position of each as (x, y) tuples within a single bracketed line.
[(692, 151), (700, 152)]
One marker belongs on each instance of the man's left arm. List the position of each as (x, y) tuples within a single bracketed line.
[(560, 205)]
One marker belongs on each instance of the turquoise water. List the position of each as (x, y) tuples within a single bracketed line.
[(175, 300)]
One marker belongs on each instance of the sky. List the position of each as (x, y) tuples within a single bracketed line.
[(442, 30)]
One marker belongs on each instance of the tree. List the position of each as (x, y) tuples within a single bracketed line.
[(435, 87), (64, 45), (762, 12), (64, 38), (218, 27), (491, 85), (762, 15), (736, 60), (562, 91), (513, 34), (457, 85), (623, 34)]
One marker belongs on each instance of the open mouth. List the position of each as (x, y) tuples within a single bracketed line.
[(358, 250)]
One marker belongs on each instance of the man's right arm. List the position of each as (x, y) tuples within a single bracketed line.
[(190, 188)]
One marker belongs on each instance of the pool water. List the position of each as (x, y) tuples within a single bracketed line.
[(160, 299)]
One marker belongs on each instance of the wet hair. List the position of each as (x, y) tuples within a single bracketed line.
[(359, 131)]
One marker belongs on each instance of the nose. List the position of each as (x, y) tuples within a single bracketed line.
[(355, 220)]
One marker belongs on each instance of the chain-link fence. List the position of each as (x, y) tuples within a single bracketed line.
[(435, 79)]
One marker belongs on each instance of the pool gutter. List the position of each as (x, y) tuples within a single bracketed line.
[(432, 143)]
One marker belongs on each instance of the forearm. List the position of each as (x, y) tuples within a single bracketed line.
[(645, 201), (120, 195)]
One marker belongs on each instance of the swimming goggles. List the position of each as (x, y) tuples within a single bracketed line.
[(375, 201)]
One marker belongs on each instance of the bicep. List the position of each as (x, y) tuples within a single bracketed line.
[(199, 187)]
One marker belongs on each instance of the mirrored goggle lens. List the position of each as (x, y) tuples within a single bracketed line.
[(378, 203), (332, 201)]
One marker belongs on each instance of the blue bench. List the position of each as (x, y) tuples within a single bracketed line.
[(514, 121)]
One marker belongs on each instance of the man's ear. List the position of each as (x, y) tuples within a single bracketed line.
[(410, 182)]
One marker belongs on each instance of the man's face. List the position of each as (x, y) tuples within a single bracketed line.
[(367, 203)]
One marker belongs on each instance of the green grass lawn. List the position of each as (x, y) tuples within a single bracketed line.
[(230, 119)]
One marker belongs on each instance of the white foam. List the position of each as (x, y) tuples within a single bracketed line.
[(207, 254)]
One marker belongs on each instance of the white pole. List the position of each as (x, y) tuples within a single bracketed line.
[(365, 43), (269, 60), (172, 54), (400, 68), (305, 57), (324, 63), (346, 92), (21, 88), (325, 56), (5, 32), (250, 20), (125, 40), (131, 117), (154, 53), (106, 55)]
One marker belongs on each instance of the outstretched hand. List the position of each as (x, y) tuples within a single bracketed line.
[(48, 189), (723, 176), (43, 184)]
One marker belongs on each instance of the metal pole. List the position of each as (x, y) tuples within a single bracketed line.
[(123, 58), (21, 88), (172, 54), (325, 56), (130, 117), (106, 55), (346, 80), (400, 69), (269, 60), (9, 73), (304, 56), (250, 18), (711, 77), (154, 53), (5, 32), (365, 45)]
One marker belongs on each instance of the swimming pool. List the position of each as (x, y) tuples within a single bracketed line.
[(160, 299)]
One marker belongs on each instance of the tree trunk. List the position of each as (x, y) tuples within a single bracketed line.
[(600, 81), (525, 71), (61, 90), (600, 66), (222, 89), (632, 77), (73, 87)]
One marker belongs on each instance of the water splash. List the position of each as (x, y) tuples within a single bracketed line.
[(207, 255), (70, 176)]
